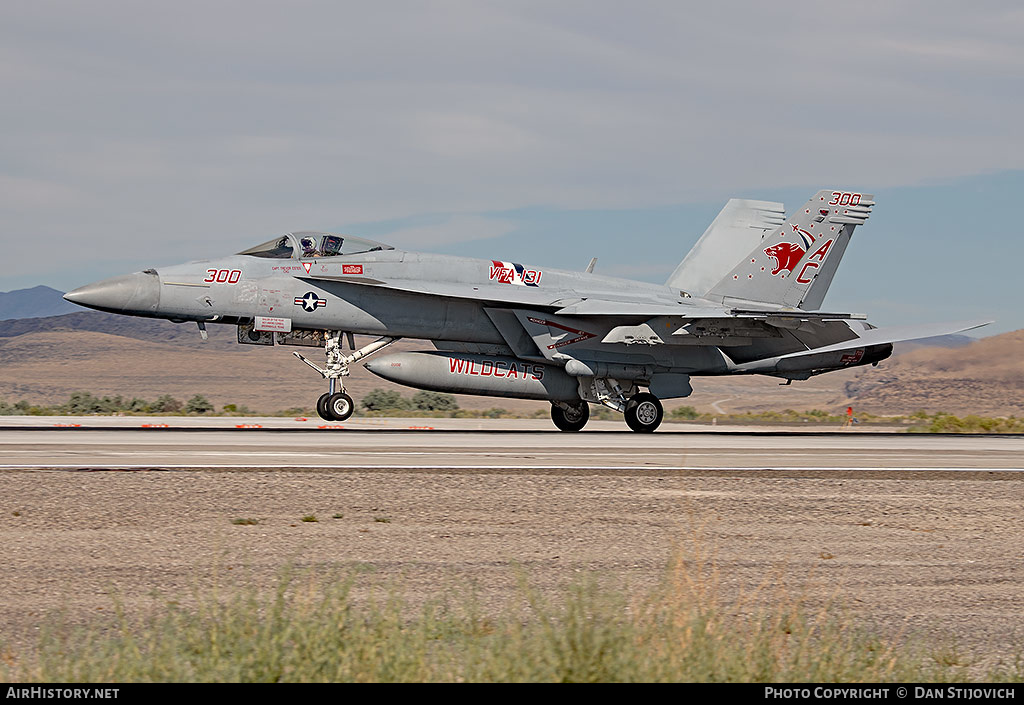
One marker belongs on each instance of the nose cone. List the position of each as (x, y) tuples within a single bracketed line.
[(137, 293)]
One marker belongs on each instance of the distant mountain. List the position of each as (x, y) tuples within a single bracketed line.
[(985, 377), (939, 341), (37, 302), (151, 329)]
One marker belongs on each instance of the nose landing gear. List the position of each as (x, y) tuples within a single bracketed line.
[(335, 407), (336, 404)]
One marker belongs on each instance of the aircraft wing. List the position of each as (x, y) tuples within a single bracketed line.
[(504, 294), (731, 324), (612, 307), (568, 302), (648, 307), (575, 302)]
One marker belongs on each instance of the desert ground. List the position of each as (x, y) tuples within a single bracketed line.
[(910, 554)]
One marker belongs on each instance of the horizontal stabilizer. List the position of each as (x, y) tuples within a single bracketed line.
[(894, 334), (869, 347)]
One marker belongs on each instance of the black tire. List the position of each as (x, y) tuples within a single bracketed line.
[(339, 406), (572, 419), (644, 412), (321, 408)]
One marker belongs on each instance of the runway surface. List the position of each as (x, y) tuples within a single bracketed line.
[(473, 444)]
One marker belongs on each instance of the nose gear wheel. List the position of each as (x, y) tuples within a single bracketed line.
[(337, 407)]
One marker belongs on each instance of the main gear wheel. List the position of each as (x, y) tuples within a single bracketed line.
[(644, 412), (570, 417)]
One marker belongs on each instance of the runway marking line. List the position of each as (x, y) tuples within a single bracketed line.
[(366, 466)]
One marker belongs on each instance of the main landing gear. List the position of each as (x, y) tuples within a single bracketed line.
[(336, 404), (570, 416), (643, 412)]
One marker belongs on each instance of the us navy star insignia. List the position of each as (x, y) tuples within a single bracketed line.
[(310, 302)]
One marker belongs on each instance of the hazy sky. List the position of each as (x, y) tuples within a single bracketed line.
[(137, 134)]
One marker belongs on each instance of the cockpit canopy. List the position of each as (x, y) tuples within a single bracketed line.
[(308, 244)]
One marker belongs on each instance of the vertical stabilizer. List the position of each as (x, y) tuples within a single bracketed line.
[(794, 266), (738, 227)]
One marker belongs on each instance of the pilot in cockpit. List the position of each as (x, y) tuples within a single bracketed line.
[(309, 248)]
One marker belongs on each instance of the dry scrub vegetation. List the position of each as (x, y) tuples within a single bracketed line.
[(313, 629)]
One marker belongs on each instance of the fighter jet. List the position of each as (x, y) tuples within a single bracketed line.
[(744, 301)]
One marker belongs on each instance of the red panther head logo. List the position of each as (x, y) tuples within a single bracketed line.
[(786, 256)]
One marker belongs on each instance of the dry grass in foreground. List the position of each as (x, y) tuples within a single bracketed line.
[(311, 629)]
